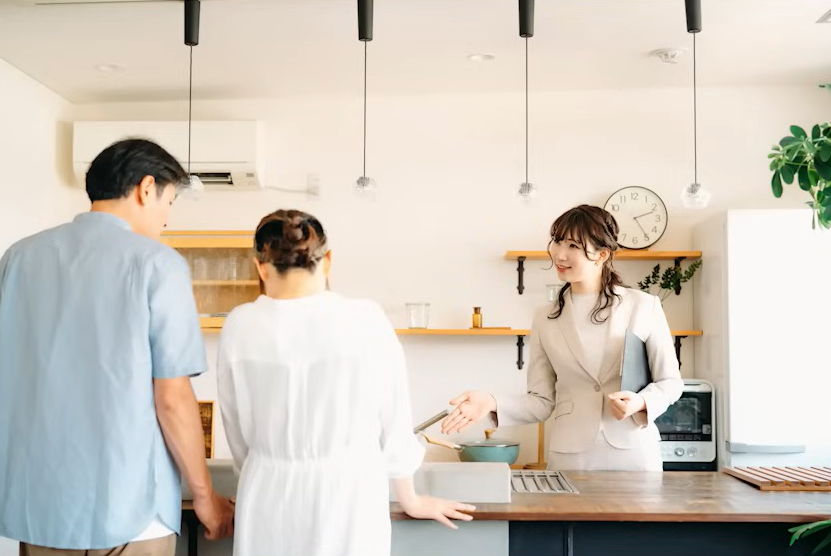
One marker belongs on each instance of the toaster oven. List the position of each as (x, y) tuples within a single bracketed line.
[(688, 429)]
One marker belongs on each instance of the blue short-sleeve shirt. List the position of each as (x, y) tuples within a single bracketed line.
[(90, 314)]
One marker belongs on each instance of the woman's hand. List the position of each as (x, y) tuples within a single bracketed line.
[(625, 404), (471, 407), (438, 509)]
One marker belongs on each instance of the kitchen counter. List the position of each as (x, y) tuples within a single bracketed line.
[(620, 513), (657, 497)]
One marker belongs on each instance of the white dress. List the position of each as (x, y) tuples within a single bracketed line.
[(314, 399)]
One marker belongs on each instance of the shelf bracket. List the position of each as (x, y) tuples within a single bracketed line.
[(520, 343), (678, 289), (520, 270), (678, 349)]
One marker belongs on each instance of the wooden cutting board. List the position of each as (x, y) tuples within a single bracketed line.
[(784, 478)]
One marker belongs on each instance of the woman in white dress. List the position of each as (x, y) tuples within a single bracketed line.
[(575, 357), (314, 399)]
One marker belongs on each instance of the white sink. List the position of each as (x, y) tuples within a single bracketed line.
[(464, 481)]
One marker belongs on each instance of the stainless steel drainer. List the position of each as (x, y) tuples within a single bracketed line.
[(524, 481)]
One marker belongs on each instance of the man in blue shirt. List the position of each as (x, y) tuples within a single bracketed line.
[(99, 336)]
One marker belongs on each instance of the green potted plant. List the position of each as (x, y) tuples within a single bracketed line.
[(809, 529), (806, 159), (670, 281)]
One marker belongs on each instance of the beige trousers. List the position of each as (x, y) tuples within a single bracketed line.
[(165, 546)]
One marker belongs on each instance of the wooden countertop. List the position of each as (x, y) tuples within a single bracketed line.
[(668, 497)]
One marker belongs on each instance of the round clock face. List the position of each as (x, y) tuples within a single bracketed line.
[(640, 214)]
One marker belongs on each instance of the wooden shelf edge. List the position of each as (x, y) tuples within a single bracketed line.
[(234, 283), (622, 255), (214, 327), (462, 332), (687, 332), (180, 233)]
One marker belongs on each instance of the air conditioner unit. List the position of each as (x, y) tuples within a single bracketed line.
[(223, 154), (56, 2)]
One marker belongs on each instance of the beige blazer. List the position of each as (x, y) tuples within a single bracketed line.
[(559, 382)]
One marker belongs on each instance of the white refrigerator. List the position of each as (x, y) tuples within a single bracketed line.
[(763, 300)]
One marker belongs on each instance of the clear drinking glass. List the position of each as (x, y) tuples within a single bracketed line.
[(418, 315)]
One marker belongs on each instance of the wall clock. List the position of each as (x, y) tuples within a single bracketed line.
[(640, 214)]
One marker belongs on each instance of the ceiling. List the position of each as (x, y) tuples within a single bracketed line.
[(276, 48)]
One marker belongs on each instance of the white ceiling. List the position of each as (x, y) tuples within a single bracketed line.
[(272, 48)]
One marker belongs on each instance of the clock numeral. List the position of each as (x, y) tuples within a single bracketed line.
[(646, 198), (634, 240), (623, 238), (645, 237), (615, 208), (623, 198), (655, 229), (654, 206), (634, 196), (657, 218)]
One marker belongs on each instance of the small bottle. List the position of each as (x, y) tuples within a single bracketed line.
[(477, 317)]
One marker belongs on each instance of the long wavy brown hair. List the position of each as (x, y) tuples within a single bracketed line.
[(591, 227)]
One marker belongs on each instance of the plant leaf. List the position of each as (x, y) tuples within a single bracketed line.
[(825, 152), (776, 185), (826, 199), (798, 132), (825, 542), (823, 168), (804, 180), (816, 133), (787, 141), (787, 173), (815, 527)]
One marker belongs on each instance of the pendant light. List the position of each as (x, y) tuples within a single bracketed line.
[(192, 12), (527, 191), (694, 195), (365, 186)]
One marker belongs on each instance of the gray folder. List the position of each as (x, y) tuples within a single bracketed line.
[(634, 366)]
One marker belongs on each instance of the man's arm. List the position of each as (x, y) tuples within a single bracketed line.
[(178, 414)]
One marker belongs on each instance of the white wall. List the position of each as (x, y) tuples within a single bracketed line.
[(34, 157), (33, 160), (448, 168)]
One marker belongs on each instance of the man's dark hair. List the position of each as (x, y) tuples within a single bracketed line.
[(119, 169)]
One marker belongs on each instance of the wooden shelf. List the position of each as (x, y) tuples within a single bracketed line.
[(519, 333), (209, 239), (211, 323), (238, 283), (622, 255), (461, 332)]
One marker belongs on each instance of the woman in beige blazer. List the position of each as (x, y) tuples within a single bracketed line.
[(574, 366)]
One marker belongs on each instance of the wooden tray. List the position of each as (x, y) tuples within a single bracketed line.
[(784, 478)]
